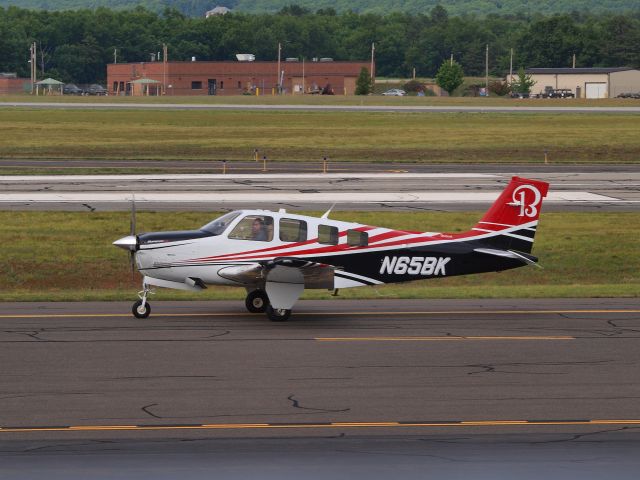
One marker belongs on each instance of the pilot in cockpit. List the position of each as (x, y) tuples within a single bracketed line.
[(258, 231)]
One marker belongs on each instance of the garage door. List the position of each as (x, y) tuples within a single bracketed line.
[(596, 90)]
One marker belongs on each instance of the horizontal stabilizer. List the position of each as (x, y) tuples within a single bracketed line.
[(525, 258)]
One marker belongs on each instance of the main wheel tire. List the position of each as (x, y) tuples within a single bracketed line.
[(278, 314), (139, 311), (257, 301)]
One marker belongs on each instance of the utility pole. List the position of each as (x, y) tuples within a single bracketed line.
[(574, 60), (486, 71), (115, 55), (373, 52), (451, 62), (278, 76), (511, 68), (164, 68), (303, 90), (32, 61)]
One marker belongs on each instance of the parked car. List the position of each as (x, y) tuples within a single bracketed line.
[(96, 89), (519, 95), (72, 89), (395, 92), (561, 93)]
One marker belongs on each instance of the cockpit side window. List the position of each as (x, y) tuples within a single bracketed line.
[(328, 234), (220, 224), (356, 238), (293, 230), (258, 228)]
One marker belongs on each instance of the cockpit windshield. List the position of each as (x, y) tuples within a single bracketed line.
[(220, 224)]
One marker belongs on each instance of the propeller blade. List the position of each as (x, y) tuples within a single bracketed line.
[(132, 262), (132, 223)]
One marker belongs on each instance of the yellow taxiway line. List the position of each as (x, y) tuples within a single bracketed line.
[(342, 313), (434, 339), (320, 425)]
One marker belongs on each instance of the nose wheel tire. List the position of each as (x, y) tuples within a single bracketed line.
[(278, 314), (257, 301), (140, 311)]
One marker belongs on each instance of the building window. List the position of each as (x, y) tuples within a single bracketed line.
[(239, 84), (356, 238), (115, 87), (327, 234), (293, 230), (221, 84), (196, 85)]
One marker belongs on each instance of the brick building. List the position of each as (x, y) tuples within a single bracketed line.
[(232, 78), (11, 83)]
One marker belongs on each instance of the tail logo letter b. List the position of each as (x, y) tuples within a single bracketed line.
[(520, 199)]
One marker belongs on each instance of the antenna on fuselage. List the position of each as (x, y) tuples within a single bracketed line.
[(326, 214)]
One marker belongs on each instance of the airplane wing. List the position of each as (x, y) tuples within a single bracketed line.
[(285, 278)]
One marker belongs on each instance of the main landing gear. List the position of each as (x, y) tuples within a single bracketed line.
[(278, 314), (257, 301), (141, 308)]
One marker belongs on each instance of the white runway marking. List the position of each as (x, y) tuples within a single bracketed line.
[(253, 176), (284, 197)]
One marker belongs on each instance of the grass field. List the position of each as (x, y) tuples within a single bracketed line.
[(69, 256), (307, 136)]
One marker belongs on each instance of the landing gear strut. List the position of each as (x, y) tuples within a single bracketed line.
[(141, 308), (257, 301)]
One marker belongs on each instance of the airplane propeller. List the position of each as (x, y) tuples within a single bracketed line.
[(130, 242)]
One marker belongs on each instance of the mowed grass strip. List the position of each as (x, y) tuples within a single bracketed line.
[(69, 256), (308, 136)]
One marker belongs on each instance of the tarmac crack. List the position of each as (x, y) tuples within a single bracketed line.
[(145, 409), (296, 404)]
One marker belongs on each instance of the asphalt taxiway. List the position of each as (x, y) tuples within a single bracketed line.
[(351, 389)]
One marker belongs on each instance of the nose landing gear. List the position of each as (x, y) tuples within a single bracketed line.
[(141, 308)]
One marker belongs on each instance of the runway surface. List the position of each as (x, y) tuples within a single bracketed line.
[(617, 189), (564, 107), (351, 389), (345, 386)]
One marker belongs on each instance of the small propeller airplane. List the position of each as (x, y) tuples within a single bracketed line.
[(276, 255)]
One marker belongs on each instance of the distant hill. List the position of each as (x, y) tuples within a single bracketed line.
[(196, 8)]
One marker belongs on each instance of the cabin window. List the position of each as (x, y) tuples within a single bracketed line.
[(327, 234), (356, 238), (258, 228), (196, 85), (293, 230)]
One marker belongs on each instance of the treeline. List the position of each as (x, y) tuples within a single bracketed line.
[(196, 8), (76, 45)]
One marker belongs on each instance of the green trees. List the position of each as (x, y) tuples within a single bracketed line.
[(523, 84), (363, 83), (450, 76), (78, 44)]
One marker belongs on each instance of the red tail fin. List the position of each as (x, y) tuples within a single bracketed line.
[(511, 221), (519, 203)]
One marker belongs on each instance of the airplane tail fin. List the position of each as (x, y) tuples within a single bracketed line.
[(514, 215)]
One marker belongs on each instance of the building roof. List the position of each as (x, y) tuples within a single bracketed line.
[(217, 11), (576, 71), (49, 81)]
